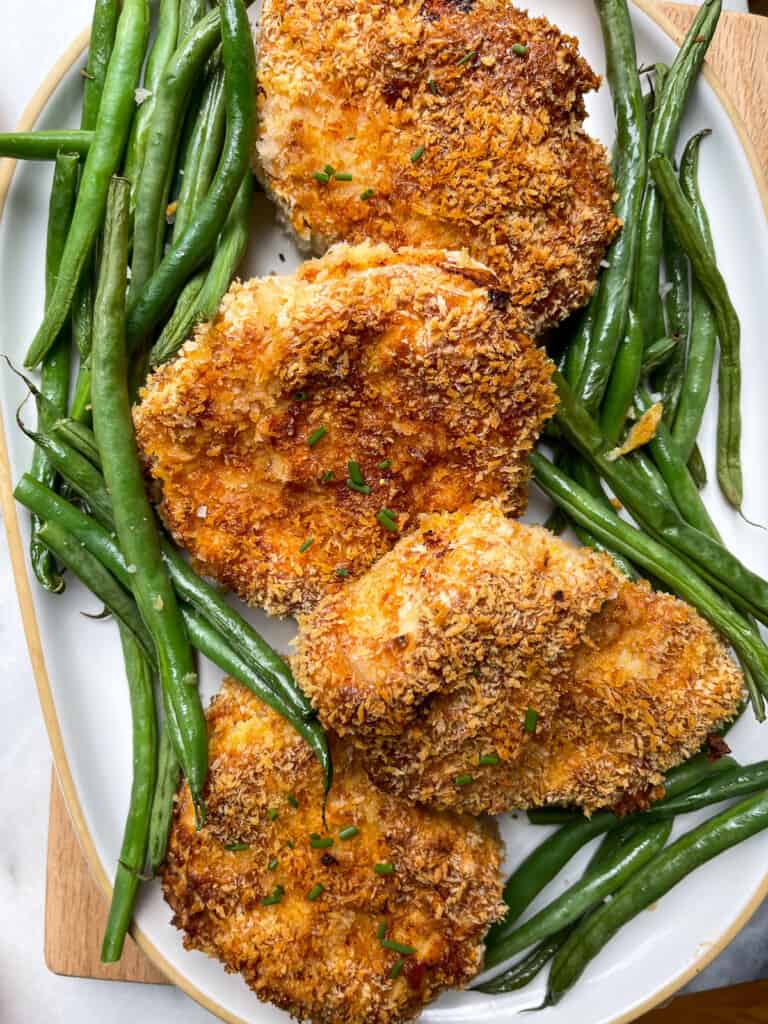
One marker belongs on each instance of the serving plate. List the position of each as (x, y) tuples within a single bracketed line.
[(77, 662)]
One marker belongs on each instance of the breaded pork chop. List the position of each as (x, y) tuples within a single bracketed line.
[(447, 123), (485, 665), (368, 381), (300, 918)]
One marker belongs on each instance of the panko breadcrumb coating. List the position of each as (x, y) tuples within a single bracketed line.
[(322, 958), (368, 381), (447, 123), (484, 665)]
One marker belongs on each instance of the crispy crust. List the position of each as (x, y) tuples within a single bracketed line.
[(410, 358), (433, 658), (322, 960), (507, 171)]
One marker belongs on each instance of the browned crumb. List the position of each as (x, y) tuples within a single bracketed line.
[(479, 636), (403, 363), (322, 960), (453, 135)]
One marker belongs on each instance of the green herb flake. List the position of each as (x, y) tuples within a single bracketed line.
[(273, 814), (318, 842), (275, 896), (329, 170), (322, 177), (531, 720), (467, 58), (306, 545), (520, 49), (360, 488), (490, 759), (342, 573), (349, 832), (272, 866), (369, 193), (432, 86), (355, 473), (317, 435), (397, 970), (398, 947), (292, 801), (326, 477), (381, 931), (387, 520), (301, 396), (236, 847), (386, 464), (343, 176), (384, 868), (315, 892), (417, 154), (464, 780)]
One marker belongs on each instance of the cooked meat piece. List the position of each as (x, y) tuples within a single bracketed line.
[(439, 123), (485, 665), (369, 380), (317, 953)]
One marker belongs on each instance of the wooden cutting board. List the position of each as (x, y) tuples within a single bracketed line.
[(75, 907)]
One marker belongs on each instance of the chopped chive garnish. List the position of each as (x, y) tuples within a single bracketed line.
[(531, 720), (273, 814), (342, 573), (273, 864), (328, 170), (467, 57), (398, 947), (368, 194), (360, 488), (355, 473), (315, 436), (317, 842), (301, 396), (384, 869), (289, 843), (322, 177), (490, 759), (343, 176), (306, 545), (390, 514), (235, 847), (381, 931), (417, 154), (385, 464), (292, 800), (432, 86), (463, 780), (387, 520), (397, 970), (327, 476), (520, 49), (349, 832), (276, 895), (315, 892)]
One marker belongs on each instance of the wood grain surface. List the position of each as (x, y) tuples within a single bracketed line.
[(75, 907)]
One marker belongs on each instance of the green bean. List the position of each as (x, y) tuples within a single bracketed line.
[(624, 380), (199, 238), (81, 475), (697, 468), (630, 175), (177, 327), (589, 480), (78, 436), (172, 94), (576, 353), (703, 345), (656, 878), (725, 785), (54, 384), (92, 573), (166, 39), (203, 150), (103, 157), (136, 832), (168, 772), (661, 562), (582, 896), (190, 13), (709, 277), (661, 519), (80, 409), (134, 519), (100, 49), (229, 252), (669, 380), (658, 353), (44, 145), (666, 123)]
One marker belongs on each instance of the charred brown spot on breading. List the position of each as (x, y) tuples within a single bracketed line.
[(322, 959), (461, 122)]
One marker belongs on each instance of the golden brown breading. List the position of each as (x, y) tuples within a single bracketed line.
[(431, 661), (409, 363), (466, 142), (322, 960)]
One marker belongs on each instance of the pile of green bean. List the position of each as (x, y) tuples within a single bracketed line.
[(117, 262)]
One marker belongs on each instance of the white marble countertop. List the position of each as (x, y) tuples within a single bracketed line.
[(34, 33)]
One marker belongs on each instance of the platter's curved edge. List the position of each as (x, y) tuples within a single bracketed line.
[(29, 619)]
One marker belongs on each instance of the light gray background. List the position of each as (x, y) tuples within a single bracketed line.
[(34, 33)]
